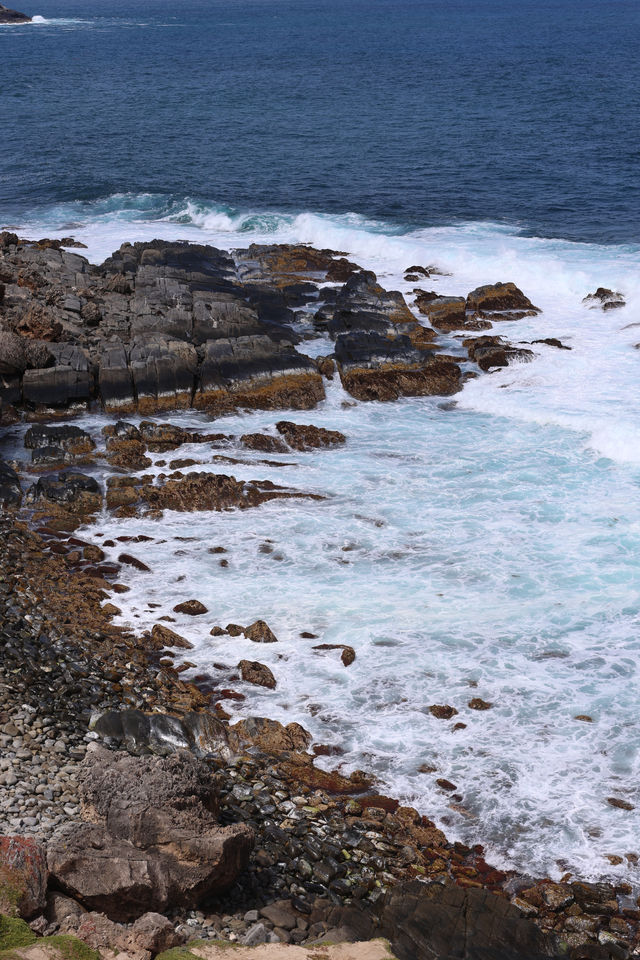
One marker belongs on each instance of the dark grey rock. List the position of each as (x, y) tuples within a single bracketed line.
[(10, 490)]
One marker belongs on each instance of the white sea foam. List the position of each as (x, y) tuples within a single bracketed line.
[(486, 548), (591, 389)]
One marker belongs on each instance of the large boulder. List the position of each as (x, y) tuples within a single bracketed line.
[(270, 736), (256, 673), (142, 734), (23, 877), (153, 841), (502, 301), (373, 367), (426, 922), (72, 491)]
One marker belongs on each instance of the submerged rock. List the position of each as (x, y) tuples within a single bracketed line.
[(257, 673), (347, 656), (605, 299), (490, 352), (303, 436), (442, 711)]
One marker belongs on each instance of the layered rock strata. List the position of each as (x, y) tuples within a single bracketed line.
[(162, 326)]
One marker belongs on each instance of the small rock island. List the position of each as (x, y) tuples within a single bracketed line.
[(12, 16)]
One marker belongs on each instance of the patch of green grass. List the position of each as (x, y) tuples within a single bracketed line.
[(177, 953), (184, 953), (10, 891), (14, 933), (70, 948)]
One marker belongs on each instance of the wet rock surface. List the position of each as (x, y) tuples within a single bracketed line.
[(604, 299), (489, 351), (162, 326), (157, 326)]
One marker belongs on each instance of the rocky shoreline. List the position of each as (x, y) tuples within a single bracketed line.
[(317, 856)]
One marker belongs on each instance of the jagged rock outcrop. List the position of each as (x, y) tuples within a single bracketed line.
[(500, 301), (303, 436), (72, 492), (158, 326), (162, 326), (483, 306), (604, 299), (490, 352), (195, 491), (152, 840)]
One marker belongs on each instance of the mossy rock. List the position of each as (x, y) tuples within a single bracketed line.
[(184, 953), (16, 937)]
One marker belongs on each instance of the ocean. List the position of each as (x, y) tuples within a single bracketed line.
[(484, 546)]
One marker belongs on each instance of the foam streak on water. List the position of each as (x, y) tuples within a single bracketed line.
[(490, 549)]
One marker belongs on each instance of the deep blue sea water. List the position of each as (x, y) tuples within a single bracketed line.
[(416, 112), (490, 545)]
